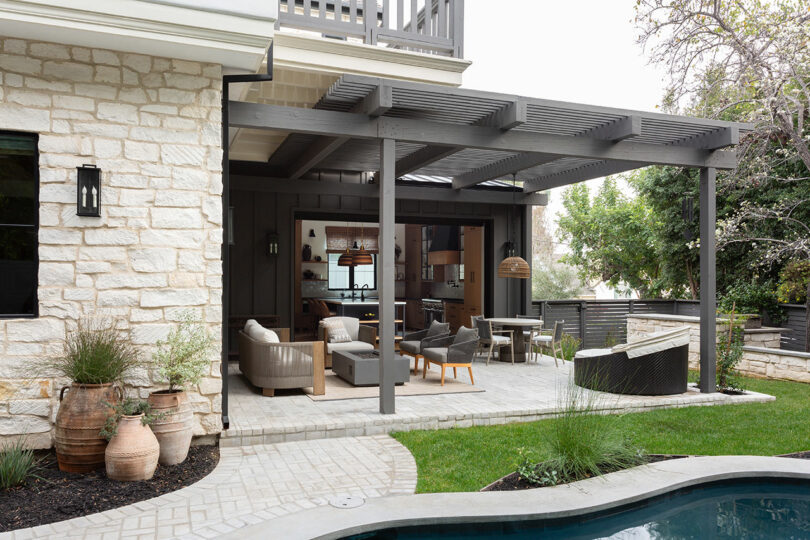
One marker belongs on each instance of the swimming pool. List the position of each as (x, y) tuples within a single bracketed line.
[(748, 508)]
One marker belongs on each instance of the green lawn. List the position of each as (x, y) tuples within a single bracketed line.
[(470, 458)]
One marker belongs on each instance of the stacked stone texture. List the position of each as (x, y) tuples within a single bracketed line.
[(152, 125)]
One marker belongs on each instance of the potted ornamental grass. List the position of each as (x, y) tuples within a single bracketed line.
[(96, 357), (133, 450), (183, 358)]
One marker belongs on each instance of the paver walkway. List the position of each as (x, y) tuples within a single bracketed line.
[(513, 393), (250, 485)]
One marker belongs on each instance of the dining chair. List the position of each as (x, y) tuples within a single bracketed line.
[(550, 339), (488, 335), (528, 335)]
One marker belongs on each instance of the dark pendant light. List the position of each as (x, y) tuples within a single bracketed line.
[(346, 258), (513, 266), (361, 256)]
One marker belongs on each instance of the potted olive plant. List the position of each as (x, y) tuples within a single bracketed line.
[(132, 453), (95, 358), (181, 359)]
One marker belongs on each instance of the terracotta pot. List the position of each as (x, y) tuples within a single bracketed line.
[(82, 413), (133, 452), (173, 429)]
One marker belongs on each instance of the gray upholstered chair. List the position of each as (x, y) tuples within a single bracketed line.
[(274, 365), (489, 337), (413, 344), (549, 339), (363, 338), (452, 351)]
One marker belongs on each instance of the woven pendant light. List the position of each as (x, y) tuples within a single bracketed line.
[(346, 259), (513, 266), (361, 256)]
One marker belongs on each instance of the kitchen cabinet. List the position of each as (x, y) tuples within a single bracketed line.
[(454, 314), (474, 269)]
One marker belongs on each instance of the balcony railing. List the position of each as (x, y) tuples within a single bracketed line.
[(429, 26)]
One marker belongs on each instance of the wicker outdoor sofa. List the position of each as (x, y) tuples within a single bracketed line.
[(654, 366)]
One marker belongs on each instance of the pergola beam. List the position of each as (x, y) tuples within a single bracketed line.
[(618, 130), (405, 192), (713, 140), (579, 174), (422, 158), (373, 105), (351, 125), (508, 117), (502, 168)]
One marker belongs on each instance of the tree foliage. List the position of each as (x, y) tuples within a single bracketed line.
[(555, 281)]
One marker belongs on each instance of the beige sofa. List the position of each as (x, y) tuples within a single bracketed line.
[(364, 338), (270, 366)]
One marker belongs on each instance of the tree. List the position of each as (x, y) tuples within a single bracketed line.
[(555, 281), (612, 239)]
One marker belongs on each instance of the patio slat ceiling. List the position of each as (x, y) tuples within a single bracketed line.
[(475, 137)]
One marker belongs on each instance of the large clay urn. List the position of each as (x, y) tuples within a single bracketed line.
[(133, 452), (82, 413), (173, 425)]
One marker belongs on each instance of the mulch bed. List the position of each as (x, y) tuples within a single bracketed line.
[(513, 482), (54, 495)]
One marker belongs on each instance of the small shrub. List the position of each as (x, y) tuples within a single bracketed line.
[(729, 353), (610, 340), (793, 282), (569, 345), (182, 358), (753, 298), (16, 464), (127, 407), (94, 353)]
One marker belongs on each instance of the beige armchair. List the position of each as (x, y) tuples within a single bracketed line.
[(271, 366), (363, 338)]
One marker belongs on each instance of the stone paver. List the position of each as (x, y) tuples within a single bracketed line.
[(252, 484), (513, 393)]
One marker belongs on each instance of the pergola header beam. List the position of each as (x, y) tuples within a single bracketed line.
[(351, 125), (619, 130), (719, 138), (579, 174), (502, 168)]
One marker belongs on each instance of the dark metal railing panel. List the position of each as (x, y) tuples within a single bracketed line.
[(432, 26)]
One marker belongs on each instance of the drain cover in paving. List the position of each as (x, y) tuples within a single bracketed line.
[(347, 502)]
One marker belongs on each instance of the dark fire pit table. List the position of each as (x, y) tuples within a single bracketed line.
[(362, 368)]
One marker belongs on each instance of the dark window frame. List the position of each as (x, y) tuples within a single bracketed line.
[(35, 226), (351, 274)]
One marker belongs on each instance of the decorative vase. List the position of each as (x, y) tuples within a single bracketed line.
[(307, 252), (173, 425), (133, 452), (82, 413)]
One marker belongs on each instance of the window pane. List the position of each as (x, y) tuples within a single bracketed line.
[(364, 275), (338, 275), (18, 179), (18, 268)]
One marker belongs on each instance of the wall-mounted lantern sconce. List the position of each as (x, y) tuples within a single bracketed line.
[(312, 233), (88, 191), (272, 244)]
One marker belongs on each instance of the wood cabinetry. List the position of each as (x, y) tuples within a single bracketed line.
[(454, 314), (473, 271)]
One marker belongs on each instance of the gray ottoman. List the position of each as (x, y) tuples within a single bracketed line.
[(362, 368)]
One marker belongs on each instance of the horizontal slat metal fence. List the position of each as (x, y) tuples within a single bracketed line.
[(794, 340), (603, 322)]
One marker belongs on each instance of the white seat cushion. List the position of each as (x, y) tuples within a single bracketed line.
[(500, 340), (590, 353), (541, 339), (349, 346), (351, 324), (659, 341)]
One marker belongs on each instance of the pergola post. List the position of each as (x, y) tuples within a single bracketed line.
[(385, 275), (708, 274)]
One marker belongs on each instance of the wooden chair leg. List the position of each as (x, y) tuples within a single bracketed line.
[(268, 392), (489, 352), (424, 366), (455, 375), (472, 381), (443, 366)]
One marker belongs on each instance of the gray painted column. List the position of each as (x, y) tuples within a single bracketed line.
[(385, 275), (708, 273), (526, 293)]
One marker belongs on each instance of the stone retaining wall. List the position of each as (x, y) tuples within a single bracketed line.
[(762, 356), (153, 127)]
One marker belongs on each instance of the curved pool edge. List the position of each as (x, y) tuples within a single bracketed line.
[(578, 498)]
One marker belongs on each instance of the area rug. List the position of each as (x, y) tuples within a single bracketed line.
[(337, 388)]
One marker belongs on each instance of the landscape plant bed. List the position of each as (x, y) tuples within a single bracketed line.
[(513, 481), (52, 495)]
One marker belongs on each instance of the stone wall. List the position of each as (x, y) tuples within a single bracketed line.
[(762, 356), (153, 127)]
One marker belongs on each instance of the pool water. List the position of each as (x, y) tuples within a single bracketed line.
[(750, 509)]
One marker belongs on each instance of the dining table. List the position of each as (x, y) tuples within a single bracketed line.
[(516, 325)]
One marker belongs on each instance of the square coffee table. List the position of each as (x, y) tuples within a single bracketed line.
[(362, 368)]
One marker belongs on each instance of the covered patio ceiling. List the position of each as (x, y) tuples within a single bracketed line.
[(470, 138)]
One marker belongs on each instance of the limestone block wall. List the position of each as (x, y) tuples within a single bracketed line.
[(153, 127), (762, 356)]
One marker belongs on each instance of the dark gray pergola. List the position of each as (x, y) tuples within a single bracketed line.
[(471, 138)]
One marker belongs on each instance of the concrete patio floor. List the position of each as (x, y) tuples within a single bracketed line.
[(513, 393)]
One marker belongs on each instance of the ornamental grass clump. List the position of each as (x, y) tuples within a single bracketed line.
[(582, 444), (16, 464), (183, 357), (95, 353)]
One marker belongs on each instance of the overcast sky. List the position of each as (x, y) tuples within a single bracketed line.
[(574, 50)]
